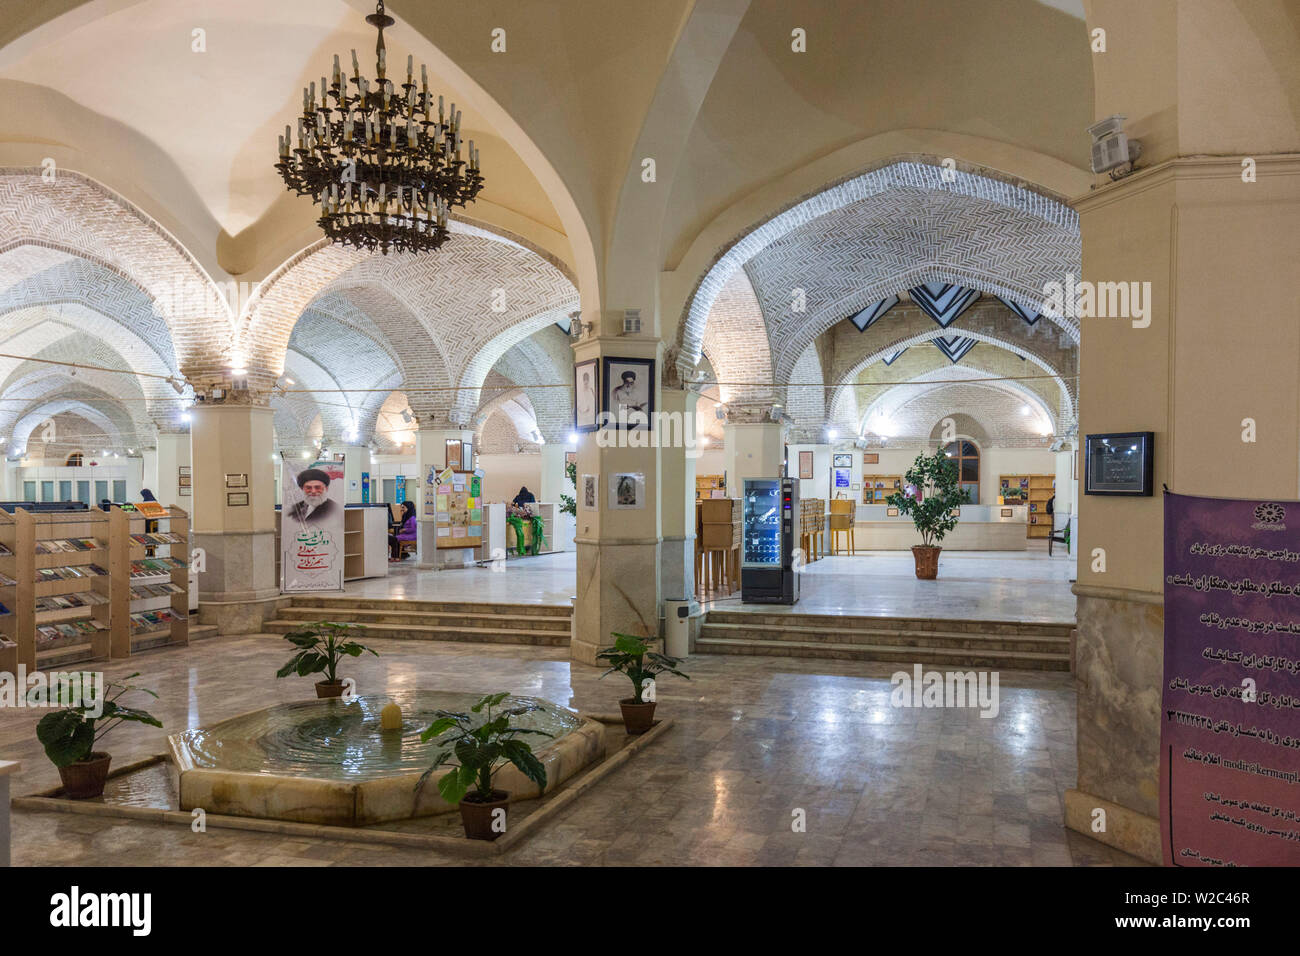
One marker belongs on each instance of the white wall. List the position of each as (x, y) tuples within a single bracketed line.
[(504, 475), (129, 469)]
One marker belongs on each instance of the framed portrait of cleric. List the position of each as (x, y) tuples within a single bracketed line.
[(586, 395), (628, 399)]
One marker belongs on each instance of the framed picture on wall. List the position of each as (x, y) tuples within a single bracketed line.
[(453, 453), (627, 491), (891, 512), (590, 489), (629, 392), (570, 458), (805, 464), (586, 395), (871, 458), (843, 461)]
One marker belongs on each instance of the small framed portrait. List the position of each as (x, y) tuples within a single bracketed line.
[(570, 458), (843, 461), (590, 489), (184, 491), (805, 464), (586, 395), (236, 481), (1006, 512), (627, 491), (183, 481), (236, 499), (871, 458), (629, 392), (183, 471), (892, 512)]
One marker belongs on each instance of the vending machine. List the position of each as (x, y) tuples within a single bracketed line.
[(767, 572)]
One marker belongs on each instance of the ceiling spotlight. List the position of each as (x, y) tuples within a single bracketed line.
[(306, 455), (1024, 409), (289, 381), (832, 434), (186, 416)]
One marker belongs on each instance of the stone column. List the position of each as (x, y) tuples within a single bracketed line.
[(1210, 225), (237, 588), (755, 449), (678, 453), (618, 581), (356, 460), (553, 483), (171, 453), (431, 454)]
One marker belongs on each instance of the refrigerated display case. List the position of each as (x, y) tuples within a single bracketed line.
[(767, 572)]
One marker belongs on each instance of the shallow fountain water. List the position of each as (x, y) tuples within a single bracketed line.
[(338, 740)]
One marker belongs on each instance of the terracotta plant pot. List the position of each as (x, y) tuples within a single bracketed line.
[(637, 718), (927, 561), (476, 816), (327, 688), (84, 780)]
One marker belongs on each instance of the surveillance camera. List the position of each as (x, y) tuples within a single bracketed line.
[(1111, 146)]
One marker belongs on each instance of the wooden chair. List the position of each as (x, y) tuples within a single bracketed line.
[(841, 523)]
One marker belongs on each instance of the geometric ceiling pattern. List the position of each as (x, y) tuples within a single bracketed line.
[(943, 302), (953, 346), (906, 225)]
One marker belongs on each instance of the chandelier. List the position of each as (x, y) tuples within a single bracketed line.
[(385, 172)]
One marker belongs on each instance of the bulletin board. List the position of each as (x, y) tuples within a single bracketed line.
[(458, 514)]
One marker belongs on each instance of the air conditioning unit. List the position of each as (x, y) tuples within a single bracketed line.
[(631, 321), (1111, 146), (576, 328)]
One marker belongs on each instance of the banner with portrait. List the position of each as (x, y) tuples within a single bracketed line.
[(311, 527), (1230, 708)]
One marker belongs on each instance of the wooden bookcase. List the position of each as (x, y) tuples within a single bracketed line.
[(58, 600), (142, 584), (705, 485), (876, 488), (1034, 491), (75, 598)]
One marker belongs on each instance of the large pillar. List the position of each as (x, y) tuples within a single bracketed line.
[(553, 482), (356, 459), (1211, 225), (618, 549), (431, 454), (172, 453), (755, 449), (237, 588), (679, 451)]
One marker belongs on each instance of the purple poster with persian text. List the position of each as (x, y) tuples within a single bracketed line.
[(1230, 710)]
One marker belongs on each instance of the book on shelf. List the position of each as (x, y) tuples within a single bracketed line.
[(44, 575), (63, 602), (62, 545), (4, 549), (6, 581), (158, 537)]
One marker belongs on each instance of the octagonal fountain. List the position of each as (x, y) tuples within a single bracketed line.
[(330, 761)]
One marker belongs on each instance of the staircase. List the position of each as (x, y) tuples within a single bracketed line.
[(1004, 645), (536, 624)]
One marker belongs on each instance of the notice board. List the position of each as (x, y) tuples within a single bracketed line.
[(458, 510)]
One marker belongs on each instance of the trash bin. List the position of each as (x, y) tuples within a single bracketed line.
[(677, 628)]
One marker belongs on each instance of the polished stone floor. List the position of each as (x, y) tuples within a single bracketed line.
[(755, 740), (976, 585)]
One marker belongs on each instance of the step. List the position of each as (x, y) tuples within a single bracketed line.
[(1002, 660), (884, 635), (480, 635), (869, 622), (426, 619), (464, 607)]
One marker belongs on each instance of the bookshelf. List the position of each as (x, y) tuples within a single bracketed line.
[(705, 485), (876, 488), (55, 583), (149, 592), (1034, 491)]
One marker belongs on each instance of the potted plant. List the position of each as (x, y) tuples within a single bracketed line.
[(931, 501), (632, 657), (69, 736), (320, 648), (480, 752)]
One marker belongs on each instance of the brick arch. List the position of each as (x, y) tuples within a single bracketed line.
[(880, 232), (450, 293), (947, 397), (538, 364), (95, 407), (81, 216), (490, 352), (735, 339), (848, 379)]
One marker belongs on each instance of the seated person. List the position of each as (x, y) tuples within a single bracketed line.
[(405, 533), (525, 497)]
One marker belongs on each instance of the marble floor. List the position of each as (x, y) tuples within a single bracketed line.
[(978, 585), (755, 741)]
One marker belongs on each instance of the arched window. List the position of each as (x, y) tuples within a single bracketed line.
[(75, 460), (966, 457)]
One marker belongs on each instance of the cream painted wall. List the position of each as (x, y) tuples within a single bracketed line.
[(503, 475)]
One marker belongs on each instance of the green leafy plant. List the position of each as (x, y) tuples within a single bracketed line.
[(482, 750), (935, 478), (69, 735), (569, 503), (632, 657), (320, 648)]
